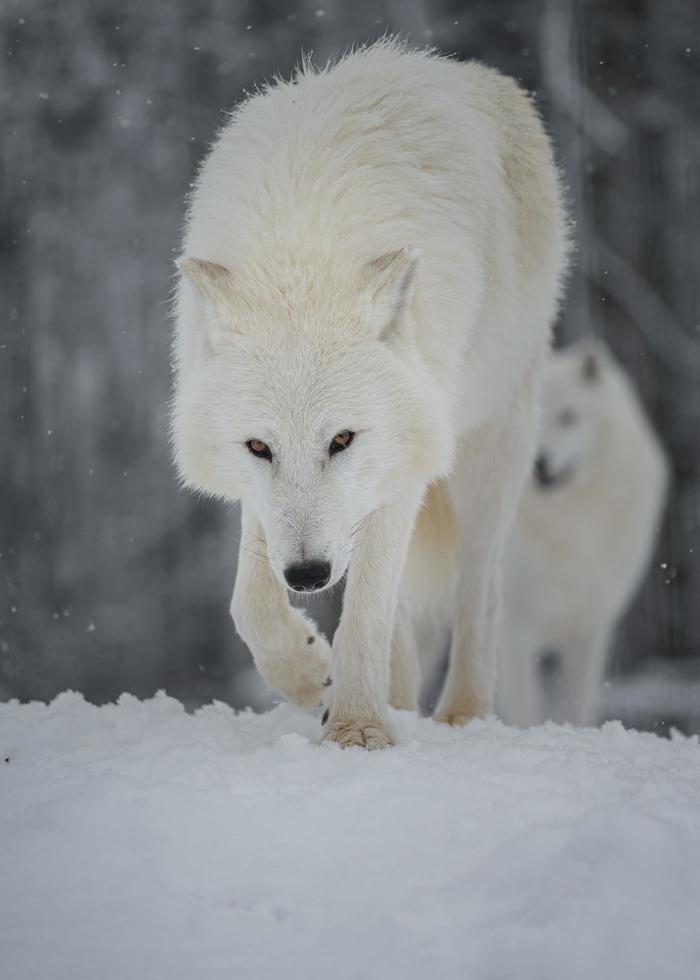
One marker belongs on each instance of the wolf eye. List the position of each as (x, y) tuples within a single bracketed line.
[(259, 448), (340, 442), (567, 417)]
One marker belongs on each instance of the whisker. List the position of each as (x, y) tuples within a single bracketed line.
[(362, 519), (365, 527), (257, 541), (255, 554)]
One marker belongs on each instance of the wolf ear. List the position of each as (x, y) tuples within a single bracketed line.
[(593, 353), (216, 286), (214, 282), (388, 284)]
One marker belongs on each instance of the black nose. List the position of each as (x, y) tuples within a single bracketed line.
[(308, 576), (543, 474)]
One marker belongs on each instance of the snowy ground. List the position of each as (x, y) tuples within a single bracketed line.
[(141, 842)]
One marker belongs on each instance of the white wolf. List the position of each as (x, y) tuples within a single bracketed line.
[(372, 259), (583, 535)]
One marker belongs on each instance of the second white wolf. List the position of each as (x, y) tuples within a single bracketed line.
[(583, 536), (372, 262)]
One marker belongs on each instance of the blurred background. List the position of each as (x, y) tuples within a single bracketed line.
[(114, 579)]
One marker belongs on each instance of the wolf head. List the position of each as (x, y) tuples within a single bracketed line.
[(572, 413), (309, 403)]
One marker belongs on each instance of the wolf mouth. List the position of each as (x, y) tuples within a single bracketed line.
[(547, 480)]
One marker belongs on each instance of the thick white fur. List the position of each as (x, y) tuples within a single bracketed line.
[(388, 242), (578, 549)]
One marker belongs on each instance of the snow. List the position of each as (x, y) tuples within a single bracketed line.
[(140, 841)]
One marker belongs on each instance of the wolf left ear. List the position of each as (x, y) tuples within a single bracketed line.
[(388, 284), (593, 353), (214, 282), (216, 287)]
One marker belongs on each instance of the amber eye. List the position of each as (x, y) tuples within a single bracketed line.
[(341, 442), (259, 448)]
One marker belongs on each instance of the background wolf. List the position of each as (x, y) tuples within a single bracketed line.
[(583, 535)]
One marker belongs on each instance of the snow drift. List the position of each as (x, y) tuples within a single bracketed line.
[(139, 841)]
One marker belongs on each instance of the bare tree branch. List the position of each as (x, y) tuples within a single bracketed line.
[(650, 313)]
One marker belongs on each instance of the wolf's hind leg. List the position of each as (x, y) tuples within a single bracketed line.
[(486, 484), (290, 653), (519, 694), (471, 675), (405, 670), (584, 659)]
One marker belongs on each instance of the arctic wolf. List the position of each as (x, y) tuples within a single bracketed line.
[(583, 535), (372, 259)]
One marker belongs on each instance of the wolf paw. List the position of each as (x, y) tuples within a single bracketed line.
[(300, 675), (458, 716), (460, 711), (368, 734), (452, 717), (403, 702)]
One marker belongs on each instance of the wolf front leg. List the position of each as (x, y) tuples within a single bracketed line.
[(290, 653), (362, 646)]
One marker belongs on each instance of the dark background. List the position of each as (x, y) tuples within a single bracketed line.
[(111, 577)]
